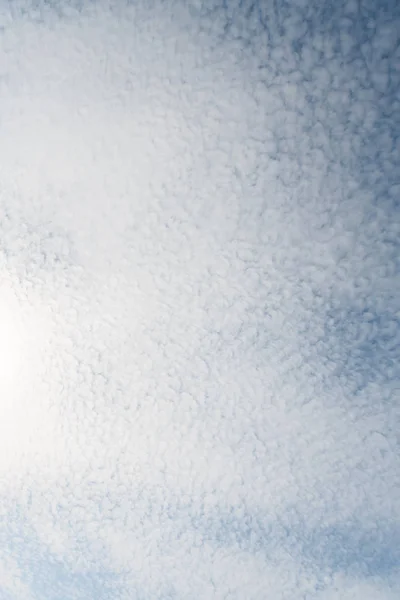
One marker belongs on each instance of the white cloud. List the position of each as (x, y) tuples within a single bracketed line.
[(199, 249), (11, 579)]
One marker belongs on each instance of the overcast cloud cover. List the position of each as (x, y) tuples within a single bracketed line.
[(199, 300)]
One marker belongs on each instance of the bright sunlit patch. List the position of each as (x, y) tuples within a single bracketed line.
[(21, 354), (14, 419), (11, 339)]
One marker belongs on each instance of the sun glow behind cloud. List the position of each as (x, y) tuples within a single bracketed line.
[(12, 343), (25, 423)]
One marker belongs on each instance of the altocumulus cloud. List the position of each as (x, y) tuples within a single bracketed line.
[(199, 300)]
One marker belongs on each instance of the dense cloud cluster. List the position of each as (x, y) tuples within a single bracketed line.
[(199, 300)]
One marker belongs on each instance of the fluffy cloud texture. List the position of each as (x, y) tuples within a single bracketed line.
[(199, 300)]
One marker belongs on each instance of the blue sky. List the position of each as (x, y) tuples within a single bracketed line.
[(199, 300)]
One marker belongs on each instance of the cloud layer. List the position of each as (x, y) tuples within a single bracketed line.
[(199, 307)]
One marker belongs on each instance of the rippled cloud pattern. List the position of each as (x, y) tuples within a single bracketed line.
[(199, 300)]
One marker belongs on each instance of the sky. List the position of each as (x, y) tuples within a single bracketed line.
[(199, 300)]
